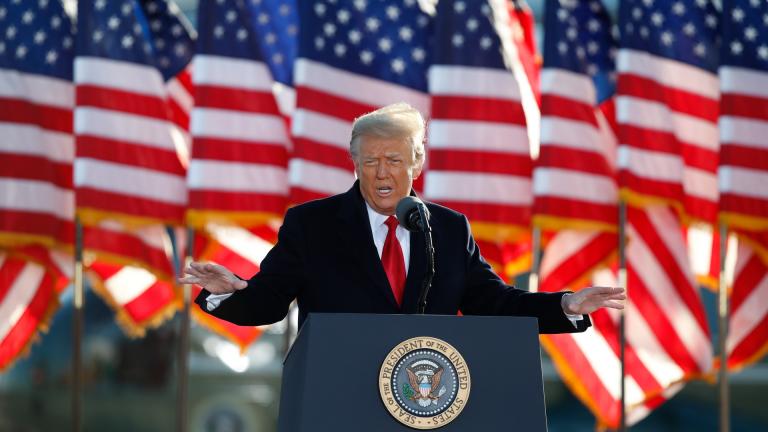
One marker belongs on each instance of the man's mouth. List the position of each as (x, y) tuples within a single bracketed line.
[(384, 191)]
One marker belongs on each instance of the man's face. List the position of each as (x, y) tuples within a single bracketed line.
[(386, 170)]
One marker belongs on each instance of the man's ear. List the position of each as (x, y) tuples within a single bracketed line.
[(417, 170)]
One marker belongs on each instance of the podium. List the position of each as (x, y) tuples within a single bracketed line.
[(335, 375)]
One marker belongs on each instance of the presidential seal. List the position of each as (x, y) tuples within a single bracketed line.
[(424, 383)]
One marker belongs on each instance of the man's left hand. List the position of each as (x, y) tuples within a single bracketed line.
[(590, 299)]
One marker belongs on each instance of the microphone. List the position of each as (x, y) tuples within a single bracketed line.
[(413, 214)]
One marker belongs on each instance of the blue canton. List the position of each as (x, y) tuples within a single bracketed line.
[(465, 35), (36, 37), (745, 34), (387, 40), (148, 32)]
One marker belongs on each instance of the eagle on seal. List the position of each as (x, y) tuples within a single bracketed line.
[(424, 386)]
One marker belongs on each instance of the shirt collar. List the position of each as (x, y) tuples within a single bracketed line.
[(375, 218)]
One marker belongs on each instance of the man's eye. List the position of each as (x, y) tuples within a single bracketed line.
[(370, 163)]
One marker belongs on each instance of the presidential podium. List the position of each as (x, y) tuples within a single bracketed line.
[(362, 372)]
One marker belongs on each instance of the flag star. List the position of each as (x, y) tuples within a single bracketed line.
[(485, 42), (242, 34), (160, 43), (644, 32), (398, 66), (459, 7), (562, 47), (292, 29), (366, 57), (176, 30), (472, 24), (127, 41), (98, 35), (230, 16), (3, 13), (10, 32), (418, 54), (340, 49), (51, 57), (113, 22), (637, 13), (147, 47), (56, 22), (263, 19), (253, 2), (343, 16), (667, 38), (422, 21), (100, 4), (319, 43), (755, 3), (702, 3), (21, 51), (284, 10), (572, 33), (457, 40), (269, 38), (277, 58), (2, 47), (372, 24), (156, 25), (218, 32), (700, 49), (689, 29), (595, 6), (320, 9), (711, 21), (648, 3), (485, 9), (42, 4), (406, 33), (67, 42), (629, 28), (355, 36), (410, 3), (28, 17), (137, 29), (562, 14), (393, 13), (765, 19), (750, 33), (593, 25), (126, 9), (580, 53), (592, 47), (385, 44), (678, 8), (592, 69), (164, 62), (762, 52), (657, 19), (152, 7), (737, 14), (736, 47), (360, 5), (39, 37), (329, 29)]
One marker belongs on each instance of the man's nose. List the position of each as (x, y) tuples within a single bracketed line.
[(382, 170)]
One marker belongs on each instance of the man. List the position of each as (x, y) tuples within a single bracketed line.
[(347, 254)]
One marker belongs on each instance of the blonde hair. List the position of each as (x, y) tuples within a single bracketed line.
[(398, 120)]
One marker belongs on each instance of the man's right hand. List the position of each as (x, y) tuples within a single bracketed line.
[(213, 277)]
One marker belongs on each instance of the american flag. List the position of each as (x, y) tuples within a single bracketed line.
[(744, 172), (239, 167), (126, 164), (36, 197), (576, 192), (353, 57), (133, 102), (667, 104), (479, 153)]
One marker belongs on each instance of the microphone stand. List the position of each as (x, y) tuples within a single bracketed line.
[(427, 282)]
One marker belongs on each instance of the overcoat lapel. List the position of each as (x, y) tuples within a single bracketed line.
[(355, 232), (417, 270)]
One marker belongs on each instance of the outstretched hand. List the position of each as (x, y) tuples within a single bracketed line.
[(215, 278), (591, 299)]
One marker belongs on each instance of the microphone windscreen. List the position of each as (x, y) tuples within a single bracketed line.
[(404, 209)]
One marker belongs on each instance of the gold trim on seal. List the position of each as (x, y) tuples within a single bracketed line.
[(388, 396)]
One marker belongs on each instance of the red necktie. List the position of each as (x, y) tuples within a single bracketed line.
[(393, 261)]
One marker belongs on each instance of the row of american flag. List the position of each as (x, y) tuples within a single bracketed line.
[(136, 124)]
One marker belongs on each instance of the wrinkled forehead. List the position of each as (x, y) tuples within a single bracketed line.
[(374, 146)]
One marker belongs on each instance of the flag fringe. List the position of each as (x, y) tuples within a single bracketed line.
[(42, 327), (742, 221), (554, 223), (93, 217), (216, 327), (499, 233), (116, 259), (9, 240), (129, 326), (199, 219)]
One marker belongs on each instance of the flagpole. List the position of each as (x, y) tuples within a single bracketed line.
[(533, 279), (182, 395), (77, 331), (622, 322), (722, 297)]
